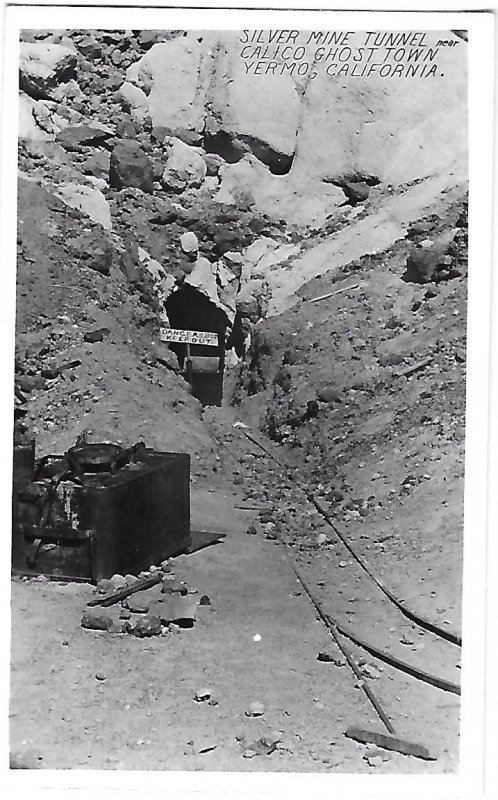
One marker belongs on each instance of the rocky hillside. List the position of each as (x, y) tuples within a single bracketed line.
[(159, 186)]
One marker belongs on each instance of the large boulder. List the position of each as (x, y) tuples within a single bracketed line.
[(94, 250), (265, 108), (134, 101), (185, 167), (89, 46), (74, 136), (169, 74), (398, 128), (42, 67), (342, 121), (68, 92), (130, 166), (217, 283), (88, 200), (28, 126), (422, 262), (97, 164), (162, 283)]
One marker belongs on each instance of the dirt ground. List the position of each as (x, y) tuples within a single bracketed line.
[(140, 713)]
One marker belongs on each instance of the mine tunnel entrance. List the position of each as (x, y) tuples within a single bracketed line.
[(202, 364)]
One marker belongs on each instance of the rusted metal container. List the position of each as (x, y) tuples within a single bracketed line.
[(92, 525)]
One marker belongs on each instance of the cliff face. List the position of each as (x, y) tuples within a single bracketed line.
[(395, 125), (398, 114)]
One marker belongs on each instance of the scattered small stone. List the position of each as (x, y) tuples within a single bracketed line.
[(176, 608), (373, 761), (255, 709), (147, 626), (118, 626), (131, 580), (202, 694), (323, 655), (264, 746), (327, 394), (204, 601), (204, 745), (172, 586), (137, 606), (118, 581), (96, 620), (370, 671), (91, 337), (189, 242)]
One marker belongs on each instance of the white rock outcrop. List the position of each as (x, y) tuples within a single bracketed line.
[(185, 166), (189, 242), (28, 126), (163, 283), (168, 74), (42, 67), (89, 200), (134, 100), (396, 127), (217, 283)]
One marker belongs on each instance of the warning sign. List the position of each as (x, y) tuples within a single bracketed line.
[(189, 337)]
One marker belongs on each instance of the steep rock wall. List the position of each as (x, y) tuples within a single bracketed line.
[(396, 128)]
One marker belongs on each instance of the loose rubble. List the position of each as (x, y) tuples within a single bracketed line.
[(165, 607)]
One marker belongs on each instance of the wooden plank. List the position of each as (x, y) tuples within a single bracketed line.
[(332, 294), (389, 743), (415, 367), (115, 597)]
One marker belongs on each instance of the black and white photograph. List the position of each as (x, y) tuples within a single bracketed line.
[(239, 390)]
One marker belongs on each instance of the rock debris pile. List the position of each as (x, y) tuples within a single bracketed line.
[(158, 610)]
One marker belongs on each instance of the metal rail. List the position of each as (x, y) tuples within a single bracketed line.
[(413, 616)]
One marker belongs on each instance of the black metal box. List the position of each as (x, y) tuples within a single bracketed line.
[(119, 522)]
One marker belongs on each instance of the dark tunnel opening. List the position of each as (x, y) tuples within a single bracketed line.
[(189, 309)]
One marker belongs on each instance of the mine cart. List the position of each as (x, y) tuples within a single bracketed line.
[(99, 510)]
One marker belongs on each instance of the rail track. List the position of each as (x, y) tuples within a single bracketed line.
[(342, 633)]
